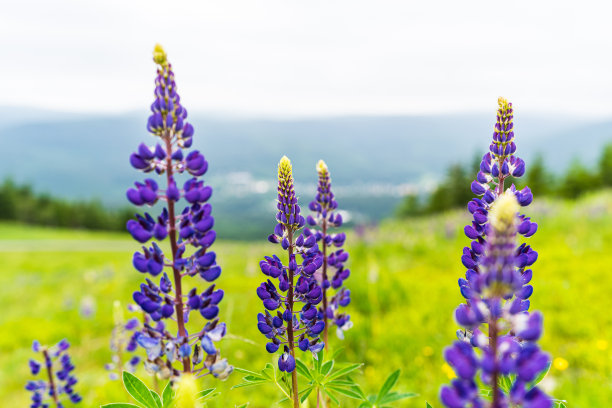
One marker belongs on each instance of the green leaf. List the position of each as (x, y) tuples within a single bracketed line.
[(331, 396), (167, 395), (155, 396), (562, 405), (337, 353), (304, 394), (268, 372), (318, 361), (205, 393), (242, 406), (396, 396), (243, 371), (388, 385), (248, 384), (253, 378), (302, 369), (138, 390), (327, 367), (344, 371), (427, 405), (119, 405), (352, 393)]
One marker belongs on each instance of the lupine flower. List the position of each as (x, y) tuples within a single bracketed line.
[(291, 318), (123, 340), (333, 273), (164, 295), (509, 349), (496, 166), (58, 383)]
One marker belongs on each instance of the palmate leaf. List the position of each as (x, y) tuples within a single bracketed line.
[(138, 390), (206, 393), (167, 395), (326, 368), (351, 392), (303, 370), (343, 371), (427, 405), (396, 396), (119, 405), (388, 385), (158, 401)]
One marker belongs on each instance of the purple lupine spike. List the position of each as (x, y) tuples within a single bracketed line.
[(319, 244), (510, 348), (496, 166), (58, 381), (164, 298), (283, 323)]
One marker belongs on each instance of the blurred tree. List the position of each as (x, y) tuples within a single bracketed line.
[(578, 180), (538, 178), (605, 166)]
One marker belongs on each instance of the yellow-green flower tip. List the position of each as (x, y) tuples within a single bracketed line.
[(503, 214), (503, 103), (284, 168), (321, 167), (187, 390), (159, 55)]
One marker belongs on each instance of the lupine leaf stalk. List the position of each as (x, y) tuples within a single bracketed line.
[(59, 381), (190, 236), (286, 326), (332, 273), (496, 286)]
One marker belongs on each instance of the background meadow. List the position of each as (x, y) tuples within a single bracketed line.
[(397, 97), (61, 283)]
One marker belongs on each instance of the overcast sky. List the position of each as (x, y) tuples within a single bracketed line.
[(310, 57)]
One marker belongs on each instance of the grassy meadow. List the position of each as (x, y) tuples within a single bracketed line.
[(404, 290)]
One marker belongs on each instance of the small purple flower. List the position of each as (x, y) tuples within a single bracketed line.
[(58, 381), (164, 297)]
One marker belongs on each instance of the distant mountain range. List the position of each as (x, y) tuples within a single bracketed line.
[(373, 160)]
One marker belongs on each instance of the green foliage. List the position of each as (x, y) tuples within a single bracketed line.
[(148, 398), (454, 190), (142, 394), (384, 397), (20, 203)]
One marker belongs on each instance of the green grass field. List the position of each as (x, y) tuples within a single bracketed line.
[(404, 286)]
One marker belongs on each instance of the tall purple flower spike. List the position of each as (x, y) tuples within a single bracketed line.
[(58, 383), (496, 287), (164, 296), (333, 272), (282, 322), (510, 347), (496, 166)]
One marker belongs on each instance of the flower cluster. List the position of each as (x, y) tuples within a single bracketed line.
[(332, 273), (284, 323), (162, 297), (509, 349), (495, 317), (59, 383), (497, 165)]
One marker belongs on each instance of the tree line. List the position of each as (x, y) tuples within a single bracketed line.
[(21, 204), (454, 190)]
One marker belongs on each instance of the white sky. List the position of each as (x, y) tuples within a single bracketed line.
[(310, 57)]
